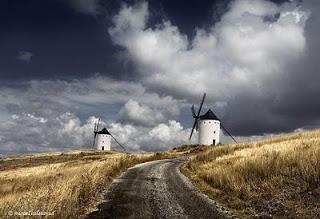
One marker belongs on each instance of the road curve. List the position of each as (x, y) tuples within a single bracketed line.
[(155, 189)]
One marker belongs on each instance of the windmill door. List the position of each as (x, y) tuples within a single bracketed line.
[(214, 142), (102, 148)]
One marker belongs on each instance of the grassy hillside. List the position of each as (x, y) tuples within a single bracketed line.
[(66, 184), (279, 177)]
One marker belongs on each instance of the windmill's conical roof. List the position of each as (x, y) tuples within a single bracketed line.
[(104, 131), (209, 116)]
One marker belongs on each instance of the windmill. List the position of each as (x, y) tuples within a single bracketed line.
[(208, 126), (102, 138)]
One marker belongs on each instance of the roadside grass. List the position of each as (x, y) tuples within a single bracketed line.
[(66, 184), (278, 177)]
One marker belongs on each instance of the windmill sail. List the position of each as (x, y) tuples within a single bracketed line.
[(196, 116), (193, 112), (194, 125), (95, 131), (228, 133), (118, 142)]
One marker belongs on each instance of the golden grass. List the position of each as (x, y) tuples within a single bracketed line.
[(279, 176), (67, 185)]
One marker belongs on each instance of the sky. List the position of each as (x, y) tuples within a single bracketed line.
[(139, 65)]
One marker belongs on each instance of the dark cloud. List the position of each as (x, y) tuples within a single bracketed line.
[(257, 61), (245, 60), (289, 100), (25, 56), (90, 7)]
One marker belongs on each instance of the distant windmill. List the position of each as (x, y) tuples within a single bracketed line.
[(208, 126), (102, 138)]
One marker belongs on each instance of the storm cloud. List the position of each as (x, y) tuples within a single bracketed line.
[(257, 63), (247, 61), (58, 115)]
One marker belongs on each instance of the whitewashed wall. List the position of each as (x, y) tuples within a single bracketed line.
[(209, 130)]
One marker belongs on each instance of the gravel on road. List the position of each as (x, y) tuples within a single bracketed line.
[(155, 189)]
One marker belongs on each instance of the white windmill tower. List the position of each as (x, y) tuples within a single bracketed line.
[(208, 126), (102, 138)]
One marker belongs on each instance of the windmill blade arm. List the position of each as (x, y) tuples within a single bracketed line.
[(196, 116), (228, 133), (193, 112), (98, 124), (194, 125), (118, 143), (94, 138), (94, 127), (201, 104), (95, 133)]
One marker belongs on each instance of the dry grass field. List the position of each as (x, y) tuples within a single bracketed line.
[(278, 177), (67, 185)]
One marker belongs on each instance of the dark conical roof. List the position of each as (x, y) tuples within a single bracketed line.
[(209, 116), (104, 131)]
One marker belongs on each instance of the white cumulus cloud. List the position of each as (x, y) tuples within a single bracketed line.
[(239, 61), (242, 50), (57, 115)]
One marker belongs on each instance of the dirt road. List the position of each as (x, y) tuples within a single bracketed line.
[(155, 189)]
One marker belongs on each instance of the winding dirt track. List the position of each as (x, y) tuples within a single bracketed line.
[(155, 189)]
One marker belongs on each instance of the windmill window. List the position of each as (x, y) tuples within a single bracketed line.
[(214, 132)]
